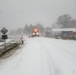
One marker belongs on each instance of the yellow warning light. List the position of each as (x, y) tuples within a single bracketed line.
[(35, 30)]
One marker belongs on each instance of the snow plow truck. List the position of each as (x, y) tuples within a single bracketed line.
[(35, 33)]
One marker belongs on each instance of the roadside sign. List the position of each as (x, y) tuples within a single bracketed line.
[(4, 37), (4, 30)]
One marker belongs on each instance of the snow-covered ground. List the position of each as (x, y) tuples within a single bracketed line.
[(42, 56)]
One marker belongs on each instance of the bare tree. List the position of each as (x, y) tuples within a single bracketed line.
[(64, 20), (72, 24), (19, 31), (26, 29), (56, 25)]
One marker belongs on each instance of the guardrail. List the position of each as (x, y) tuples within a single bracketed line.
[(9, 46)]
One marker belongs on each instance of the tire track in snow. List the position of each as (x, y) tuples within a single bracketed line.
[(53, 66), (65, 48), (65, 52), (37, 57), (49, 60), (66, 55), (66, 66)]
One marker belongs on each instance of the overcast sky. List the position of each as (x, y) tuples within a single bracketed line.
[(17, 13)]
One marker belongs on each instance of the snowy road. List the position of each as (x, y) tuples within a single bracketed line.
[(42, 56)]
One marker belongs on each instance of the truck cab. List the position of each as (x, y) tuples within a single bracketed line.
[(35, 33)]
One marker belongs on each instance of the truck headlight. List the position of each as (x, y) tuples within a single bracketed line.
[(33, 33), (37, 33)]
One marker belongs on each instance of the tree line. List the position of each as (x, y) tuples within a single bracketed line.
[(63, 21), (28, 29)]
